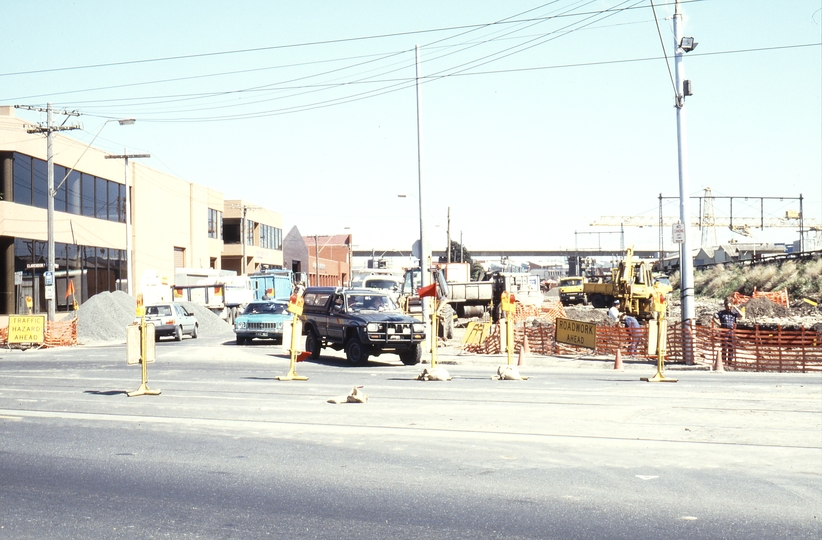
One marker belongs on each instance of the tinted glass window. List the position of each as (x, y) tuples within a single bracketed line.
[(74, 202), (115, 205), (88, 195), (22, 179), (40, 183), (60, 196), (101, 199)]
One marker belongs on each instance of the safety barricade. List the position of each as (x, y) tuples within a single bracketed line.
[(58, 334), (757, 349)]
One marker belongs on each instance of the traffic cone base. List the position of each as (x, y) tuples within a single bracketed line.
[(618, 361)]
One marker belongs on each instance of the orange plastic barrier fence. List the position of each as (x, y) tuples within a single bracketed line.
[(758, 349)]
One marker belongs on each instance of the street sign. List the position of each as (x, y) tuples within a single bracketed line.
[(48, 278), (679, 232), (18, 278), (579, 333), (30, 266)]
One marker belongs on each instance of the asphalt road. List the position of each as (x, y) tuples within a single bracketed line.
[(227, 451)]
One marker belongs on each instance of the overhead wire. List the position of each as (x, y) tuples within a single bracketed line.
[(471, 28), (386, 89)]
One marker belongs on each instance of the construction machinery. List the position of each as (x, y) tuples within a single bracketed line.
[(632, 283)]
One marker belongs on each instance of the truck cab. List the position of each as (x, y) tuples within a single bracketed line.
[(362, 322), (571, 290)]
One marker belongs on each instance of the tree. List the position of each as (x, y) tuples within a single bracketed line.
[(456, 249)]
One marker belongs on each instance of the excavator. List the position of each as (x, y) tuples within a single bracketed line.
[(632, 283)]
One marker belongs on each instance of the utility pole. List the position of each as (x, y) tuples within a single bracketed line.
[(129, 273), (424, 253), (49, 129), (317, 259), (449, 235), (686, 265), (243, 232)]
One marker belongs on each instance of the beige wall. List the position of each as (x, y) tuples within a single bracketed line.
[(167, 211), (256, 256)]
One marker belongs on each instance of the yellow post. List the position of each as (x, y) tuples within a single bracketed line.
[(143, 390), (434, 337), (662, 326), (295, 306)]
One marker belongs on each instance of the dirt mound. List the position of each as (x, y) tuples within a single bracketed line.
[(762, 307), (103, 319)]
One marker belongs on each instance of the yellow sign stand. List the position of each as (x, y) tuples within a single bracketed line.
[(144, 389), (509, 306), (434, 337), (295, 306), (662, 333)]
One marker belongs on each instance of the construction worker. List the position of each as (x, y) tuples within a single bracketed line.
[(727, 321)]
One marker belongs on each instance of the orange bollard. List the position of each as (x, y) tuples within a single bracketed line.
[(523, 350), (719, 366), (618, 361)]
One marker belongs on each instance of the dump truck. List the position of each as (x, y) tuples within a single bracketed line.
[(571, 291)]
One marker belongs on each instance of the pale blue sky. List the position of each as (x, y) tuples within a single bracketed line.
[(525, 149)]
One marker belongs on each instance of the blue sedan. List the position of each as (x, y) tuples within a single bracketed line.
[(262, 319)]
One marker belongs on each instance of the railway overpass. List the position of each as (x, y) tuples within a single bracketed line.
[(523, 253)]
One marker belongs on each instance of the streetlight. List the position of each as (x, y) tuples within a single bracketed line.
[(52, 192), (125, 156)]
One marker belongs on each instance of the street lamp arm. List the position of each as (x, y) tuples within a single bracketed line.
[(125, 122)]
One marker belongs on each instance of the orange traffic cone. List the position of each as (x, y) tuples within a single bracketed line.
[(523, 350), (618, 361), (719, 366)]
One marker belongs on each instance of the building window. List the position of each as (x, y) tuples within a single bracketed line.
[(249, 232), (22, 179), (81, 193), (40, 186), (231, 231), (271, 237), (215, 221)]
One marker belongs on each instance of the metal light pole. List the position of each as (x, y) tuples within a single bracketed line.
[(129, 249), (686, 268), (423, 251)]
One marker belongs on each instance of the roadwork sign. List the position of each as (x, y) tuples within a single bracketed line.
[(577, 333), (27, 328)]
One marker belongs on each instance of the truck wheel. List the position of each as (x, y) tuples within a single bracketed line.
[(178, 333), (312, 344), (413, 356), (355, 352)]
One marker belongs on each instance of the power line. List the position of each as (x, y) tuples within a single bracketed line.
[(270, 48), (409, 81)]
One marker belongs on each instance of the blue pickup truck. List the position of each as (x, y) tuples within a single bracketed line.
[(362, 322)]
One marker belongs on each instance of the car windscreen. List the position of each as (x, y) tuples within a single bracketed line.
[(161, 311), (369, 302), (270, 308), (380, 283)]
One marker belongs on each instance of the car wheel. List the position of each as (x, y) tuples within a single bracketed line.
[(240, 340), (313, 344), (355, 352), (413, 356), (178, 333), (196, 331)]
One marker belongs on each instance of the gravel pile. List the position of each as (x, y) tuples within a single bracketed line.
[(103, 319)]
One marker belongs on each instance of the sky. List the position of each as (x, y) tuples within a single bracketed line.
[(535, 119)]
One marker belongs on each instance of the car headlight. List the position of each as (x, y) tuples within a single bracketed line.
[(279, 325), (419, 327), (239, 325), (373, 327)]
